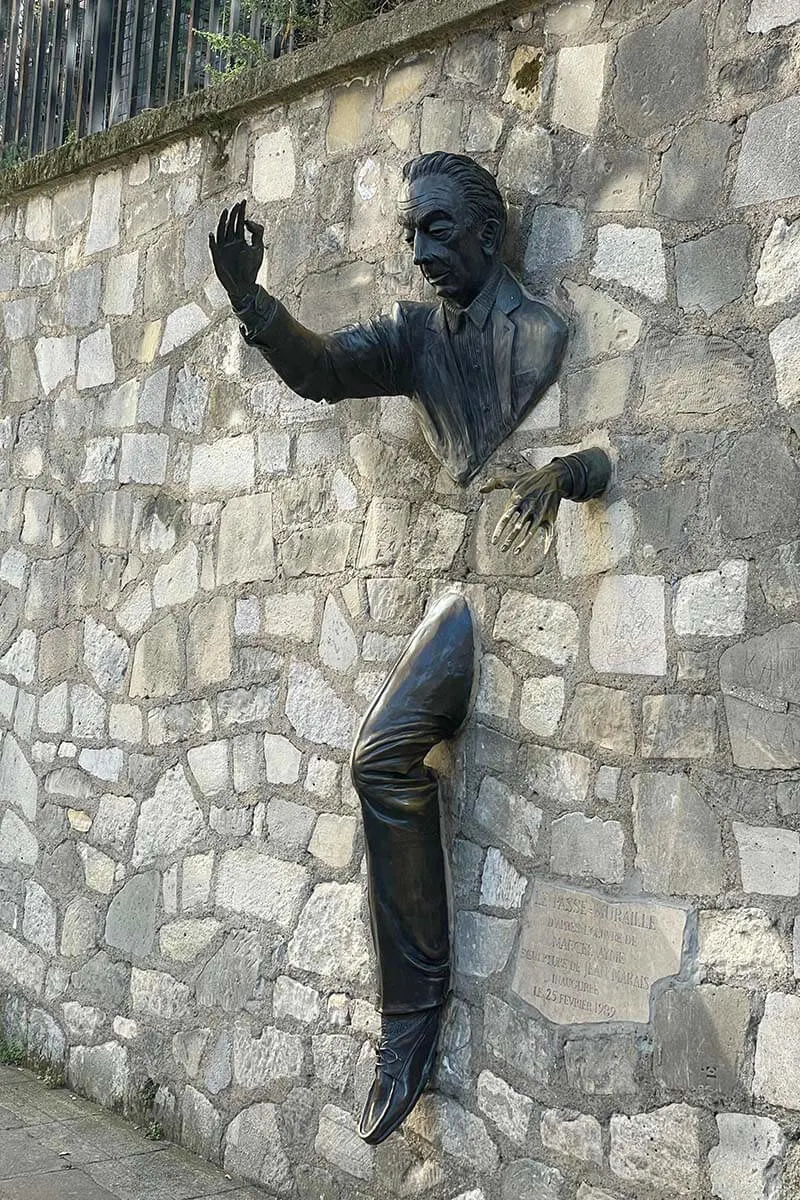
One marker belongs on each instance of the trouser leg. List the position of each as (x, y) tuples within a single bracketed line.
[(424, 700)]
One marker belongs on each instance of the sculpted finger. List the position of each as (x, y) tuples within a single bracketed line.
[(257, 232), (513, 531), (549, 532), (501, 481), (532, 529), (222, 225), (240, 220), (510, 513)]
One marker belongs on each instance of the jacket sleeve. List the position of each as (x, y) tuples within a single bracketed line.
[(369, 359)]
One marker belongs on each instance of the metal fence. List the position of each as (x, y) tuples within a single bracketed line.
[(73, 67)]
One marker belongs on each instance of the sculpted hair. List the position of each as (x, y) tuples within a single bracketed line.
[(478, 186)]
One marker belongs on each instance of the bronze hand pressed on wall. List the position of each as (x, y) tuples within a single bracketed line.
[(473, 364)]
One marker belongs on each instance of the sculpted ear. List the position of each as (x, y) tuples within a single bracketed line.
[(491, 236)]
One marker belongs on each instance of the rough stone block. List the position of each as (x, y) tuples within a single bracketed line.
[(99, 1072), (209, 646), (601, 716), (692, 171), (575, 1135), (508, 1110), (661, 73), (405, 80), (769, 859), (712, 603), (578, 93), (157, 661), (598, 393), (560, 776), (546, 628), (779, 573), (169, 820), (262, 887), (96, 360), (131, 919), (321, 550), (337, 1141), (769, 160), (541, 704), (627, 634), (679, 726), (633, 257), (602, 1066), (449, 1127), (678, 844), (587, 848), (523, 88), (746, 1163), (246, 547), (274, 166), (556, 237), (501, 885), (441, 125), (509, 817), (784, 345), (527, 161), (144, 458), (55, 359), (527, 1177), (659, 1149), (253, 1148), (777, 1067), (778, 279), (758, 677), (711, 270), (103, 232), (754, 487), (330, 938), (700, 1040)]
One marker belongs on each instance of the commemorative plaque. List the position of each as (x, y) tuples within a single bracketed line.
[(586, 958)]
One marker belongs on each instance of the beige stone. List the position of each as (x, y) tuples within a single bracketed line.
[(157, 669), (406, 79), (350, 117), (246, 548), (209, 648)]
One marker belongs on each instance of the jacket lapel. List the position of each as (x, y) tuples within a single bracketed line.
[(508, 298)]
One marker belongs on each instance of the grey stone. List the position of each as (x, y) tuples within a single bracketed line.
[(501, 885), (39, 919), (290, 825), (455, 1042), (184, 941), (457, 1132), (99, 1072), (527, 161), (105, 654), (508, 1110), (157, 661), (317, 550), (79, 930), (527, 1177), (759, 678), (17, 780), (747, 1162), (754, 487), (259, 886), (155, 994), (611, 179), (103, 982), (473, 59), (777, 278), (711, 270), (661, 73), (712, 603), (560, 776), (600, 392), (587, 847), (181, 325), (103, 232), (694, 382), (663, 1145), (131, 920), (578, 89), (768, 160), (601, 716), (576, 1135), (510, 817), (23, 966), (779, 572), (17, 844), (789, 797), (314, 709), (602, 1066), (633, 257), (556, 237), (627, 633), (700, 1040), (201, 1124), (777, 1070), (334, 1059), (692, 171), (440, 128), (679, 726), (96, 360), (546, 628), (769, 858), (253, 1148), (272, 1058), (330, 938), (229, 979), (169, 821), (334, 297), (337, 1141), (82, 298), (678, 844), (482, 944)]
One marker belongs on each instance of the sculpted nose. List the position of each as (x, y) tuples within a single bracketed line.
[(421, 249)]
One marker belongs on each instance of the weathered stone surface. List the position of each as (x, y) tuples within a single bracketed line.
[(578, 89), (712, 603), (541, 704), (527, 1177), (333, 840), (338, 648), (527, 162), (501, 885), (659, 1149), (184, 941), (784, 345), (632, 257), (546, 628), (157, 661), (314, 709), (777, 279), (711, 270), (246, 547), (692, 171), (694, 382), (157, 994), (17, 780), (602, 1066), (616, 950), (508, 1110), (754, 487), (768, 160), (201, 1124), (271, 1058), (779, 573), (678, 843), (317, 551), (700, 1040), (560, 776), (99, 1072), (601, 716), (79, 928), (572, 1134), (593, 537), (507, 816), (769, 859), (602, 326), (262, 887), (17, 844), (746, 1163), (587, 848), (679, 726), (253, 1148), (758, 678), (556, 237), (103, 232), (338, 1142), (169, 821), (330, 938), (449, 1127), (105, 654), (627, 634), (131, 919), (660, 73), (209, 646), (229, 978), (39, 918), (523, 88), (777, 1070), (482, 944), (518, 1041)]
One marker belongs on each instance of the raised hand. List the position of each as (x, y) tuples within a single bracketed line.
[(237, 261), (535, 499)]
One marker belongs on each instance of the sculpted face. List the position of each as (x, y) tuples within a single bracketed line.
[(455, 255)]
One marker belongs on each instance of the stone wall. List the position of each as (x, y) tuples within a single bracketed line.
[(204, 579)]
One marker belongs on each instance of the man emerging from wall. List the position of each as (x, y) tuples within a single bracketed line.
[(473, 364)]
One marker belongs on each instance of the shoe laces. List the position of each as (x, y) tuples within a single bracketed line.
[(386, 1056)]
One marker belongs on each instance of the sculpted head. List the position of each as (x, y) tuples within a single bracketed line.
[(454, 218)]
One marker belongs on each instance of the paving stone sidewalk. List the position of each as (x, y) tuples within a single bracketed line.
[(56, 1146)]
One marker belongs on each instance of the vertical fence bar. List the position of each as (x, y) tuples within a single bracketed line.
[(152, 55), (58, 63), (67, 111), (21, 122), (10, 90), (39, 78), (172, 38), (101, 60), (131, 92), (82, 125)]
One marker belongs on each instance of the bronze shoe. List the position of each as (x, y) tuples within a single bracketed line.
[(406, 1054)]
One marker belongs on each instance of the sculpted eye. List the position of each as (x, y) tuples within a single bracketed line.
[(440, 230)]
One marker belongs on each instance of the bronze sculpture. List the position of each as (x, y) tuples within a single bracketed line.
[(473, 364)]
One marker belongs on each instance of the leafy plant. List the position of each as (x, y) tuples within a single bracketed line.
[(154, 1132), (12, 155), (11, 1053)]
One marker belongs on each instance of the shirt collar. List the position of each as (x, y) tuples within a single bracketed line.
[(480, 308)]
